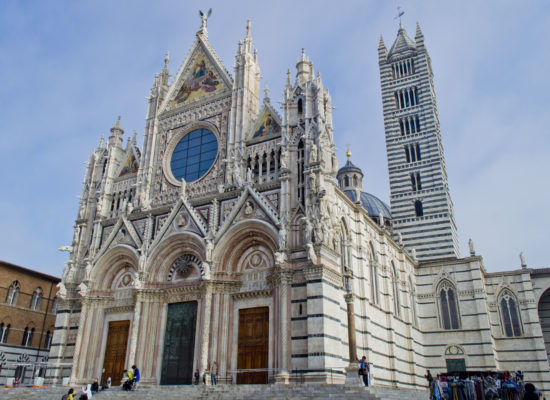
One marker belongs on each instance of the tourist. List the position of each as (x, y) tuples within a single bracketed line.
[(197, 377), (213, 373), (137, 376), (364, 370), (204, 375), (127, 380), (69, 395), (530, 392), (430, 380), (95, 387)]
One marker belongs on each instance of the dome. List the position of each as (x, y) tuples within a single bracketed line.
[(372, 204), (349, 167)]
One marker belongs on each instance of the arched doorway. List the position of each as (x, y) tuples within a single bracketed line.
[(544, 317)]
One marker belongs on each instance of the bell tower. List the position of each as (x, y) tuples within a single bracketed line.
[(420, 200)]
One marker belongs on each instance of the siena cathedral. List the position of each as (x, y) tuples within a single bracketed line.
[(232, 239)]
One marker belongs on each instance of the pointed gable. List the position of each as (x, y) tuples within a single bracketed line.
[(267, 124), (403, 45), (201, 74)]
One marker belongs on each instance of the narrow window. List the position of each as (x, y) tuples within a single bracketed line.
[(301, 186), (4, 333), (401, 127), (48, 340), (413, 183), (25, 337), (418, 157), (418, 208), (396, 100), (417, 124), (415, 96), (346, 181), (412, 66), (407, 154), (300, 109), (448, 307), (13, 293), (418, 181), (407, 126), (395, 282), (300, 309), (355, 182), (510, 318), (54, 306), (411, 122)]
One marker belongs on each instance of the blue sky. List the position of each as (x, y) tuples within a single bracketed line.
[(69, 68)]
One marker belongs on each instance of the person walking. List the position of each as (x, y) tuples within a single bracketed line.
[(430, 380), (197, 377)]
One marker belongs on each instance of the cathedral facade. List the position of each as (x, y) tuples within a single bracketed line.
[(232, 238)]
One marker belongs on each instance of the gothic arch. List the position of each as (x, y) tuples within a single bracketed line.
[(170, 250), (509, 314), (447, 305), (373, 266), (395, 288), (110, 264), (242, 236)]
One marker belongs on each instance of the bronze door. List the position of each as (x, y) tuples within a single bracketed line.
[(115, 351), (253, 344), (179, 344)]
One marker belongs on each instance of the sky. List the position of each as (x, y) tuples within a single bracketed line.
[(69, 68)]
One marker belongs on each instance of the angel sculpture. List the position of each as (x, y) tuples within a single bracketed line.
[(204, 17)]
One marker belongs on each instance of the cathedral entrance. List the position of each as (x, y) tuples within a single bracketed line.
[(115, 351), (253, 344), (179, 344)]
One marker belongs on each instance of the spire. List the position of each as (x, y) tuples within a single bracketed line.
[(116, 133), (419, 37), (381, 44), (288, 83), (403, 43), (266, 94), (304, 68), (101, 141), (248, 39)]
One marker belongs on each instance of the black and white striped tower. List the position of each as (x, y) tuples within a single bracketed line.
[(420, 201)]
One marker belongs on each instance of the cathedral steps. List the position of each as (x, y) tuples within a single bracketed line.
[(233, 392)]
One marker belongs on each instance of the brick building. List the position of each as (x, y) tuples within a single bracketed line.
[(27, 319)]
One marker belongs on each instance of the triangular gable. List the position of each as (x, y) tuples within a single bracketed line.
[(268, 122), (242, 208), (182, 217), (201, 74), (123, 232)]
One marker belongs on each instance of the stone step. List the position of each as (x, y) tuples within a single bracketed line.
[(232, 392)]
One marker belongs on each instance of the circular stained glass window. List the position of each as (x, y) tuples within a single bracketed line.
[(194, 155)]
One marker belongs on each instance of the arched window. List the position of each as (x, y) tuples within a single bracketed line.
[(418, 209), (346, 181), (4, 330), (300, 109), (13, 292), (509, 316), (448, 306), (395, 284), (54, 306), (373, 275), (48, 340), (36, 299)]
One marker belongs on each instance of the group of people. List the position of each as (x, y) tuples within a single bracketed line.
[(213, 375), (129, 381), (130, 378), (481, 385)]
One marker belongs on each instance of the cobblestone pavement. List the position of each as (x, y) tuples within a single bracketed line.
[(232, 392)]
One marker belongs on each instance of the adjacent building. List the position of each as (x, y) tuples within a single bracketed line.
[(27, 319)]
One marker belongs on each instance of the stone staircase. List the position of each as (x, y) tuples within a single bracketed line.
[(229, 392)]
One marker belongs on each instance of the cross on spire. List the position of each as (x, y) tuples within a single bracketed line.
[(399, 15)]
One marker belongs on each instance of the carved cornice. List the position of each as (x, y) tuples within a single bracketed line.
[(280, 275), (323, 272), (254, 294), (119, 309)]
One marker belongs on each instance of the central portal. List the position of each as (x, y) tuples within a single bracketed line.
[(253, 344), (179, 344)]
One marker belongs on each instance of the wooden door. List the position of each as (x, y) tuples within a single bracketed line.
[(253, 344), (115, 351), (179, 344)]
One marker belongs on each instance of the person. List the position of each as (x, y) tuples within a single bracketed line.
[(137, 376), (95, 387), (213, 373), (530, 392), (69, 395), (364, 370), (430, 380), (204, 375), (128, 380), (197, 376)]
